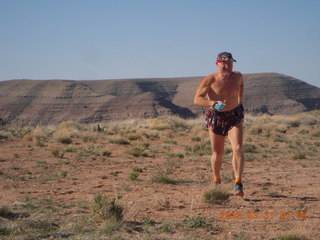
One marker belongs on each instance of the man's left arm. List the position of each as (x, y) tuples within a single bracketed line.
[(241, 89)]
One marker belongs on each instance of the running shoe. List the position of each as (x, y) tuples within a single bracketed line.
[(238, 189)]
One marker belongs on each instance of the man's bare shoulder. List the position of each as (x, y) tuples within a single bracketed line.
[(209, 79), (237, 74)]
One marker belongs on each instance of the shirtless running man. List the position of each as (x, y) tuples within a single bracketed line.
[(222, 93)]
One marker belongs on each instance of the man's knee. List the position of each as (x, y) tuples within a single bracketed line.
[(217, 156), (238, 150)]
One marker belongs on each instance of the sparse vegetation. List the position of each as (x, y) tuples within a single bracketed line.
[(158, 169)]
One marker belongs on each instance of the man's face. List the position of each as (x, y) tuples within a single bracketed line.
[(225, 66)]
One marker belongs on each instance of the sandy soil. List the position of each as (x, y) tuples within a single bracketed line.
[(282, 194)]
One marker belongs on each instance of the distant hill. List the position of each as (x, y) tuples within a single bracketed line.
[(38, 102)]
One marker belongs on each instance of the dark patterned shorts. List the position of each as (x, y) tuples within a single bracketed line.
[(221, 122)]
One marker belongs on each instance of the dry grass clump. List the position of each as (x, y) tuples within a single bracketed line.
[(199, 131), (4, 135), (39, 135), (292, 236), (173, 123), (199, 149), (216, 196), (106, 208), (65, 134), (162, 202), (159, 125)]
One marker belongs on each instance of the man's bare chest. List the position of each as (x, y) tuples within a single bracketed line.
[(225, 86)]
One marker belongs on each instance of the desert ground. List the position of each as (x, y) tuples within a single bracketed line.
[(152, 179)]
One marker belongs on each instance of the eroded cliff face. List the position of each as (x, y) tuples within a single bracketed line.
[(279, 94), (38, 102)]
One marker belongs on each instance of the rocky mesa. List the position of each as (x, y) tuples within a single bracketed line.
[(41, 102)]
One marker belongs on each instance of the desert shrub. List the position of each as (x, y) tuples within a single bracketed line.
[(5, 231), (65, 140), (133, 137), (163, 179), (299, 155), (148, 221), (20, 132), (279, 138), (196, 139), (71, 124), (137, 169), (292, 236), (136, 151), (5, 212), (70, 149), (145, 145), (180, 124), (120, 141), (89, 138), (241, 236), (167, 227), (63, 173), (4, 136), (175, 155), (65, 133), (39, 136), (249, 148), (151, 136), (160, 126), (216, 195), (42, 164), (106, 153), (107, 209), (256, 130), (44, 225), (200, 149), (315, 134), (133, 176), (196, 222), (57, 153), (111, 227), (294, 123), (199, 132)]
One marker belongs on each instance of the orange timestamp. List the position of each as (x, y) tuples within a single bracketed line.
[(283, 215)]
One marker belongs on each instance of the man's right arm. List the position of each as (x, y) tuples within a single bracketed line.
[(202, 91)]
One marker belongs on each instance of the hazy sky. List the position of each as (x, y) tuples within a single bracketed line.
[(107, 39)]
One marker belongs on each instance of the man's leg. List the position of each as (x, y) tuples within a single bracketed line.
[(217, 146), (235, 136)]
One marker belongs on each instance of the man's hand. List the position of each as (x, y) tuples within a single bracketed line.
[(219, 106)]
